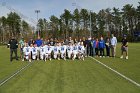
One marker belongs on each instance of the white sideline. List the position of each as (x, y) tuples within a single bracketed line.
[(3, 82), (130, 80)]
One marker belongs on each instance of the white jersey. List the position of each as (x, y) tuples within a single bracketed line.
[(75, 48), (27, 50), (69, 48), (48, 49), (56, 49), (34, 50), (42, 50), (63, 49), (81, 49)]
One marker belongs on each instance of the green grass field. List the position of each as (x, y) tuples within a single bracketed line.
[(72, 76)]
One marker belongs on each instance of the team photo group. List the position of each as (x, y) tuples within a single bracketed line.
[(40, 49)]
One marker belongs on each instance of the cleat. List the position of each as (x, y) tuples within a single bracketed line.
[(121, 57), (126, 57)]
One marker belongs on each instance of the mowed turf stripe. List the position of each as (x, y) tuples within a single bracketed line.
[(90, 77), (130, 80), (17, 72), (40, 77), (68, 77)]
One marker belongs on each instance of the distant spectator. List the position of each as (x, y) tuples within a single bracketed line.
[(101, 47), (71, 41), (13, 44), (107, 44), (52, 42), (93, 42), (113, 45), (66, 42), (88, 45), (30, 41), (97, 47), (21, 45), (39, 42)]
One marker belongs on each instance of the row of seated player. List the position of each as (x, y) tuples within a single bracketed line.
[(58, 51)]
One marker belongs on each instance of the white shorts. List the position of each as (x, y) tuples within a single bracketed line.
[(55, 55), (34, 56), (47, 55), (27, 55), (42, 55), (69, 54)]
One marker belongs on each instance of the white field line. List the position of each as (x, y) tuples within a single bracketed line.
[(17, 72), (130, 80)]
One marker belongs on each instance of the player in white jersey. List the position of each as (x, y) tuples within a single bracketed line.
[(75, 51), (27, 52), (81, 51), (56, 53), (34, 51), (42, 50), (69, 50), (63, 51), (48, 51)]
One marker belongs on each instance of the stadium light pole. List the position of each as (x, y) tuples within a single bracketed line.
[(37, 12), (90, 23)]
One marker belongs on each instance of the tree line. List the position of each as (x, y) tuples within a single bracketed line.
[(77, 24)]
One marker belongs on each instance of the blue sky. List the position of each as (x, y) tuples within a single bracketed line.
[(26, 8)]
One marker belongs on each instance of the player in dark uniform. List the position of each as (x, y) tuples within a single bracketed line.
[(13, 44), (124, 47)]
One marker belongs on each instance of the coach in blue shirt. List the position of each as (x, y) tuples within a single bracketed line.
[(38, 42), (101, 47)]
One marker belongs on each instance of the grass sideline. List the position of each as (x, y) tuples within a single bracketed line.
[(72, 76)]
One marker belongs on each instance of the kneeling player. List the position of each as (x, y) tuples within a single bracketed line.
[(34, 52), (56, 53), (48, 51), (81, 51), (69, 50), (75, 51), (26, 53), (63, 51), (42, 52)]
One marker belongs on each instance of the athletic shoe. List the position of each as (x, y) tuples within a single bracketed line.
[(50, 59), (121, 57), (22, 59), (126, 57), (83, 59), (29, 60), (58, 58)]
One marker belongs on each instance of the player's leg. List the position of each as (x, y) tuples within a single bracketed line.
[(55, 55), (49, 56), (126, 51), (58, 56), (69, 55)]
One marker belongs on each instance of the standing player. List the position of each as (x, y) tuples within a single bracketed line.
[(48, 51), (113, 45), (81, 51), (34, 51), (124, 47), (27, 52), (56, 53), (63, 51), (101, 47), (21, 45), (69, 50), (75, 51), (42, 52)]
